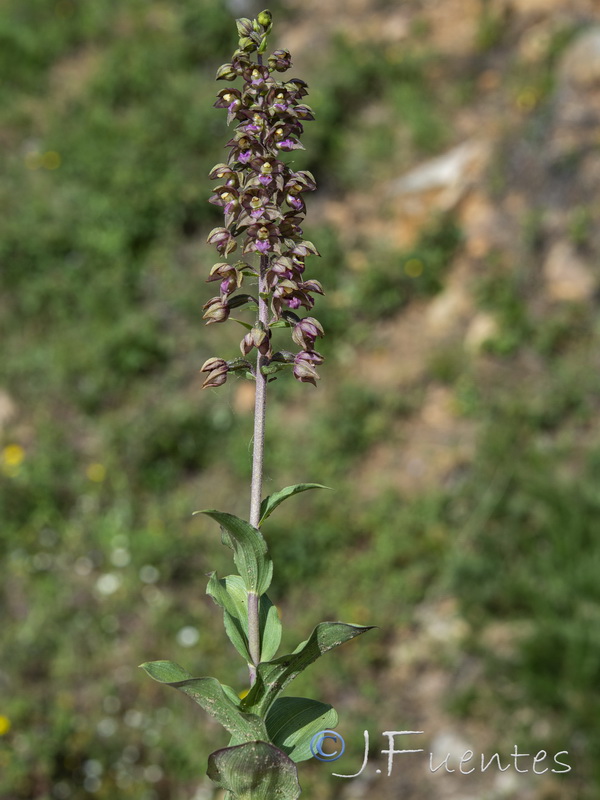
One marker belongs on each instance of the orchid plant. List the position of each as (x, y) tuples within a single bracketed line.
[(263, 207)]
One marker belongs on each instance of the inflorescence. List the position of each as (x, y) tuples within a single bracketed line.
[(263, 207)]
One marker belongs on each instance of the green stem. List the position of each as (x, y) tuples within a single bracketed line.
[(260, 405)]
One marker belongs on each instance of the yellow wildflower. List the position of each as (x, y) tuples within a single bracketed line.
[(13, 455), (96, 472)]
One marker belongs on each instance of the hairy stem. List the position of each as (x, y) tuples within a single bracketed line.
[(260, 405)]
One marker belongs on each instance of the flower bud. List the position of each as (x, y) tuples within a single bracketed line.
[(214, 380), (216, 310), (265, 18), (213, 363), (244, 26), (247, 44), (226, 72), (304, 367), (217, 369), (280, 60), (304, 112), (305, 248), (306, 331), (258, 337), (246, 344)]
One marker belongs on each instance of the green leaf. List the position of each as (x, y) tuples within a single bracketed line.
[(165, 671), (242, 323), (249, 550), (270, 628), (254, 771), (270, 503), (274, 367), (230, 593), (293, 721), (274, 676), (212, 696)]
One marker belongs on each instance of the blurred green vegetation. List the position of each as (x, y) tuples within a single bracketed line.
[(108, 134)]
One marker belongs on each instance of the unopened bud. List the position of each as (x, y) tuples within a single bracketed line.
[(244, 26), (280, 60), (226, 72), (258, 337), (265, 18), (304, 367), (212, 364), (215, 311), (247, 44), (306, 331), (217, 369)]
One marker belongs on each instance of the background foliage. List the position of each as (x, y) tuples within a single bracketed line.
[(107, 137)]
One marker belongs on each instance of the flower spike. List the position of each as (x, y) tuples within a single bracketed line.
[(262, 198)]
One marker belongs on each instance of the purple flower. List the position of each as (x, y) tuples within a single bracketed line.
[(227, 197), (223, 240), (297, 203), (302, 181), (257, 206), (288, 144), (230, 276), (230, 99), (226, 173), (257, 76), (262, 201), (268, 169), (262, 238), (243, 148)]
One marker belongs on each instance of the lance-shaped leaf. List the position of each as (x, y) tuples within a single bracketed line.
[(293, 721), (214, 698), (242, 323), (249, 550), (230, 593), (274, 676), (254, 771), (270, 503)]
